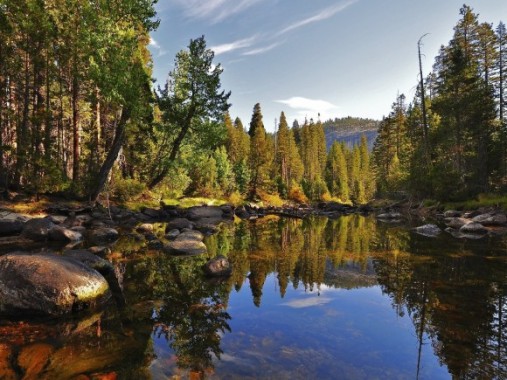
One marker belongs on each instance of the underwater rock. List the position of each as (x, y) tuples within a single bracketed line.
[(219, 266)]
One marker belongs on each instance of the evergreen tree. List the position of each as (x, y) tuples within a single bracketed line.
[(288, 162), (336, 172), (191, 104), (259, 159)]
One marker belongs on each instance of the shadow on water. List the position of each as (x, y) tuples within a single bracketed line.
[(178, 322)]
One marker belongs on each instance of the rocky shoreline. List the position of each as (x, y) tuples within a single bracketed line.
[(38, 279)]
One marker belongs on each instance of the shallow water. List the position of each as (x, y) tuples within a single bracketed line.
[(316, 299)]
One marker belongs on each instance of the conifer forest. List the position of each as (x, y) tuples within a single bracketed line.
[(80, 116)]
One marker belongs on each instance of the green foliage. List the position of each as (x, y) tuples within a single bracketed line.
[(125, 190), (192, 107)]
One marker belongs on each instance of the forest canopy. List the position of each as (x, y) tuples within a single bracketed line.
[(79, 115)]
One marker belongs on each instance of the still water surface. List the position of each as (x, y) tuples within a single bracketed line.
[(316, 299)]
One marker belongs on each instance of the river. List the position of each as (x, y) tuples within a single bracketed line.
[(350, 298)]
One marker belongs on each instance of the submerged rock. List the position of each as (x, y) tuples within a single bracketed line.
[(429, 230), (48, 285), (217, 267)]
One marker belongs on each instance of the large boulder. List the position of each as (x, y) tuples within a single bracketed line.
[(37, 229), (48, 285), (218, 267), (200, 212), (429, 230)]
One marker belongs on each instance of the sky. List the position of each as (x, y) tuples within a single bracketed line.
[(336, 58)]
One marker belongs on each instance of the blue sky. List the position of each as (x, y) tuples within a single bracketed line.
[(304, 57)]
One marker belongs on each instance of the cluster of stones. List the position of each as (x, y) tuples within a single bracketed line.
[(468, 225), (47, 283)]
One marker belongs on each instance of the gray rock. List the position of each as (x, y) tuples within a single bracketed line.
[(172, 234), (227, 210), (452, 214), (241, 212), (491, 219), (48, 285), (206, 229), (9, 227), (389, 216), (185, 247), (152, 213), (80, 229), (99, 250), (102, 235), (179, 224), (218, 267), (58, 233), (37, 229), (58, 219), (145, 228), (200, 212), (459, 235), (473, 228), (429, 230), (190, 235), (456, 222)]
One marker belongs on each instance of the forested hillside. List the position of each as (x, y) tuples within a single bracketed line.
[(349, 130)]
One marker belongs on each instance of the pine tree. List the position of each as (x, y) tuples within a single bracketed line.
[(259, 159), (288, 163), (336, 172)]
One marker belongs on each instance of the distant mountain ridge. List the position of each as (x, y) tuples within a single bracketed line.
[(349, 130)]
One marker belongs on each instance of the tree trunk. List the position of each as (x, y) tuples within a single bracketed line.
[(75, 130), (172, 156), (112, 155)]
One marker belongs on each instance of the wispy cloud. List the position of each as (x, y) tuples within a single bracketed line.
[(156, 46), (322, 15), (263, 49), (311, 108), (315, 105), (215, 10), (231, 46)]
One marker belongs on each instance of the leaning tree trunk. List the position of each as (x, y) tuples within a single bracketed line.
[(112, 155)]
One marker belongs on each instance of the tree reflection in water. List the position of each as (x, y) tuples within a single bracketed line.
[(453, 291)]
